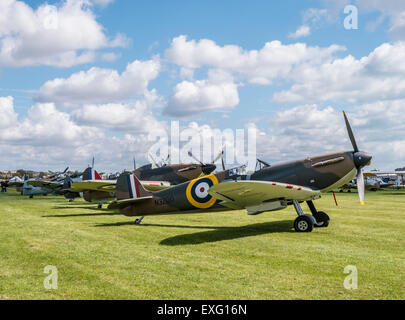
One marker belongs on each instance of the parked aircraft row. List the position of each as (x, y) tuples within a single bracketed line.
[(169, 188)]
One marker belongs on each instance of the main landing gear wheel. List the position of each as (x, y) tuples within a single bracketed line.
[(322, 219), (138, 221), (100, 206), (304, 223)]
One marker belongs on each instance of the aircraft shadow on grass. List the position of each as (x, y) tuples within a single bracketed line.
[(217, 234), (101, 212)]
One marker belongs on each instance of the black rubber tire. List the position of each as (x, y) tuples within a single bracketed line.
[(304, 223), (100, 206), (31, 196), (322, 217), (137, 221)]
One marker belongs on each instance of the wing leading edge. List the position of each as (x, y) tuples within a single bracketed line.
[(109, 185), (260, 196)]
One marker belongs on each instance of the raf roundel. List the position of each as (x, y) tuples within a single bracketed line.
[(197, 192)]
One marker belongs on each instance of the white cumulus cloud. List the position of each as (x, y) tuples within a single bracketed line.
[(217, 92), (62, 36), (378, 76), (303, 31), (257, 66), (98, 85)]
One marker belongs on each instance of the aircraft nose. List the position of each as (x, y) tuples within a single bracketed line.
[(208, 168), (362, 159)]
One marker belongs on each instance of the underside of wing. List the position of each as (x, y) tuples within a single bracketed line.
[(44, 184), (252, 194)]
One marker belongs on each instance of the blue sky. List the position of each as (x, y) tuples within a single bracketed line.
[(292, 94)]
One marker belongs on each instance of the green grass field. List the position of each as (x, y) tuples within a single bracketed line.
[(215, 255)]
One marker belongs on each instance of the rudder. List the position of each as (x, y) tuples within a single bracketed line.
[(129, 187), (91, 174)]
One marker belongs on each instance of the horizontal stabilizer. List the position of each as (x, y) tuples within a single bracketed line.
[(120, 204)]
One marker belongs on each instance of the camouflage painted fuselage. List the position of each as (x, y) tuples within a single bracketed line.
[(174, 173), (323, 173)]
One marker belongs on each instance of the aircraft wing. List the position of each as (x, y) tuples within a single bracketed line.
[(93, 185), (243, 194), (119, 204), (109, 185), (384, 173), (16, 184), (45, 184), (369, 174)]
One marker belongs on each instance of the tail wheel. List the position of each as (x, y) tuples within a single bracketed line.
[(304, 223), (322, 219)]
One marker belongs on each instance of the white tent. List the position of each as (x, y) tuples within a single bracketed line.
[(16, 179)]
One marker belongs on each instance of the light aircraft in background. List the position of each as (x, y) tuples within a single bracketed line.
[(372, 183), (394, 179), (268, 189)]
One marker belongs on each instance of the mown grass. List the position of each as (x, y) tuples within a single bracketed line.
[(214, 255)]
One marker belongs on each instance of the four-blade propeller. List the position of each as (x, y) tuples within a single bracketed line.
[(209, 166)]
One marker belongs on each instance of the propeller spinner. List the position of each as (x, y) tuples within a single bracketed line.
[(207, 168)]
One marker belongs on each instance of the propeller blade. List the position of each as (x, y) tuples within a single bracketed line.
[(66, 170), (192, 156), (361, 186), (153, 160), (223, 164), (218, 156), (134, 164), (92, 164), (350, 132)]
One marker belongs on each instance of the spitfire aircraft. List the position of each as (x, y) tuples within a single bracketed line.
[(176, 173), (93, 188), (58, 187), (56, 183), (156, 178), (268, 189)]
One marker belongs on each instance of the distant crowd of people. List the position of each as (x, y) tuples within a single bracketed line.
[(4, 186)]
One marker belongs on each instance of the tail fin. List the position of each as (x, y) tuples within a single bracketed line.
[(129, 187), (91, 174)]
